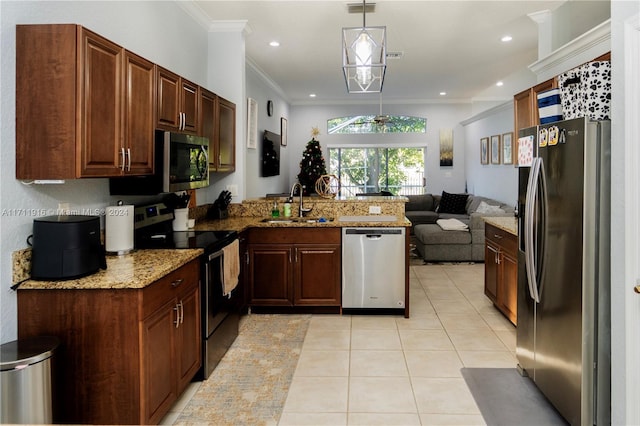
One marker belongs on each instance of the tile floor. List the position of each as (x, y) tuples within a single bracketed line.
[(388, 370)]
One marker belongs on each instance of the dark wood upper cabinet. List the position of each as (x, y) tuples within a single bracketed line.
[(226, 135), (140, 99), (71, 118), (207, 124), (101, 102), (95, 112), (525, 109), (218, 124), (177, 108)]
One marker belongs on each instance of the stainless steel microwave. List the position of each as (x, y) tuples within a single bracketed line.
[(181, 162), (186, 162)]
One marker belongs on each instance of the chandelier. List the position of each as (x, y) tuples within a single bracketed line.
[(364, 56)]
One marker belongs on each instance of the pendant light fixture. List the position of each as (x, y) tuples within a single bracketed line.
[(364, 56)]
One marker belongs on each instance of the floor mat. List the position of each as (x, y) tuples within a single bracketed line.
[(506, 398), (250, 385)]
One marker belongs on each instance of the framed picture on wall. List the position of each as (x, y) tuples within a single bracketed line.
[(252, 123), (283, 131), (507, 148), (495, 149), (484, 151)]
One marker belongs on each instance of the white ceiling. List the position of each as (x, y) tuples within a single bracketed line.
[(451, 46)]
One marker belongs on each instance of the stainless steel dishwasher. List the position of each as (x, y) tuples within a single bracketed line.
[(373, 268)]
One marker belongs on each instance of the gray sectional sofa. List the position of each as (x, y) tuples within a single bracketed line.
[(433, 243)]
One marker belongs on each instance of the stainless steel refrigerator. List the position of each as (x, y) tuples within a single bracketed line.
[(563, 332)]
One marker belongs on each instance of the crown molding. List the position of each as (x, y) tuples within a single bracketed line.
[(239, 26), (589, 45), (488, 113), (195, 12), (268, 80)]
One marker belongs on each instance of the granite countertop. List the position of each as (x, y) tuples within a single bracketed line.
[(240, 224), (506, 223), (135, 270), (143, 267)]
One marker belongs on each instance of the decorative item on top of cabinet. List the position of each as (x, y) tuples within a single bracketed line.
[(525, 107), (177, 107), (89, 116), (501, 270)]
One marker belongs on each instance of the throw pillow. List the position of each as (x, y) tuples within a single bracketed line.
[(453, 203), (485, 208)]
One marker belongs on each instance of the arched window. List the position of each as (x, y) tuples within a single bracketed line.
[(362, 124)]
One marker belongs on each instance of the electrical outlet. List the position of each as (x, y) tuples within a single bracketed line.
[(233, 189), (375, 210)]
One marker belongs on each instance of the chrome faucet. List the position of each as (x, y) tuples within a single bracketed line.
[(301, 210)]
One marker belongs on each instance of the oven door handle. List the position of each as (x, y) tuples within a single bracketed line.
[(215, 255)]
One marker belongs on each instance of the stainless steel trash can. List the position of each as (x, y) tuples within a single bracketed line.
[(25, 380)]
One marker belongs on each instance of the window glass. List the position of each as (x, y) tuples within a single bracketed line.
[(366, 170), (360, 124)]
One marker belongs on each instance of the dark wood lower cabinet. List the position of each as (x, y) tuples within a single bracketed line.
[(126, 354), (501, 270), (294, 267)]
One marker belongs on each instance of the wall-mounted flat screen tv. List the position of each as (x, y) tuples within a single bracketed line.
[(270, 154)]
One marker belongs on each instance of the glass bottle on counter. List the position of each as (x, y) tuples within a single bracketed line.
[(275, 212)]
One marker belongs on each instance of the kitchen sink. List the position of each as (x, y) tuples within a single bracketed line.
[(296, 220)]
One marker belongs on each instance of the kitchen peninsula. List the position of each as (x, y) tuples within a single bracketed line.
[(295, 264)]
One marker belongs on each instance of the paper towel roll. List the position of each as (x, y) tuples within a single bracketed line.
[(119, 229)]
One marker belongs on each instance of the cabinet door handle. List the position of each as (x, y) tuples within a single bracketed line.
[(128, 159), (122, 162), (177, 321), (497, 236), (181, 312), (495, 254), (177, 282)]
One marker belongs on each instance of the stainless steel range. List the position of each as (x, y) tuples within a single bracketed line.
[(220, 312)]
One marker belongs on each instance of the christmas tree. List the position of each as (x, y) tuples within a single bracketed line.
[(312, 165)]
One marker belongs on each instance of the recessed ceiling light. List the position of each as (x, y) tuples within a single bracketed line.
[(499, 84), (506, 38), (312, 95), (274, 44), (443, 93)]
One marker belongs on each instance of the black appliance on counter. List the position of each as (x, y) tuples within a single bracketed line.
[(220, 313), (66, 247)]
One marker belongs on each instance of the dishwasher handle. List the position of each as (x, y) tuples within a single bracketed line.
[(374, 236), (373, 231)]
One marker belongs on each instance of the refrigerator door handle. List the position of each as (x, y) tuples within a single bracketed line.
[(541, 241), (532, 192)]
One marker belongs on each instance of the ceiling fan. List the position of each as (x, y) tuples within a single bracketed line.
[(380, 119)]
